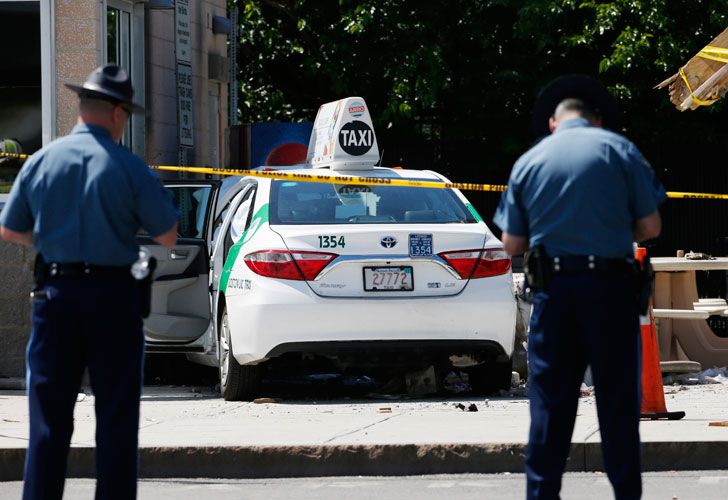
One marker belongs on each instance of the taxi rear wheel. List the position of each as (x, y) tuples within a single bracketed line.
[(237, 382), (491, 377)]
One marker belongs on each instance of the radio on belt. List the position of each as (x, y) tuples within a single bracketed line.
[(343, 137)]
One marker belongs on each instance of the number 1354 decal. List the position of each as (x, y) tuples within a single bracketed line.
[(331, 241)]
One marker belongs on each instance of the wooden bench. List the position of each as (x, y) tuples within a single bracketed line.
[(680, 314)]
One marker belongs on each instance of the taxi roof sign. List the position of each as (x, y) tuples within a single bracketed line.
[(343, 137)]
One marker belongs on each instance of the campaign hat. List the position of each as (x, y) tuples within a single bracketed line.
[(593, 92), (111, 83)]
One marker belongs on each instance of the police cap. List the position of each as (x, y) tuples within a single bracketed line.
[(591, 91), (110, 83)]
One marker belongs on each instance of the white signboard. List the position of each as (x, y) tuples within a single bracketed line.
[(184, 105), (183, 45)]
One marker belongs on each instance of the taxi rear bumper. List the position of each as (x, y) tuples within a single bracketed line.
[(482, 316)]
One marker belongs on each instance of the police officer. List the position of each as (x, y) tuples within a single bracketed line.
[(577, 200), (80, 202)]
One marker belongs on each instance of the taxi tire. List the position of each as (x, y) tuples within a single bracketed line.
[(243, 381), (490, 378)]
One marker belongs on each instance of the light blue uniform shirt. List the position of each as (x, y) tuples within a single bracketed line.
[(85, 197), (579, 192)]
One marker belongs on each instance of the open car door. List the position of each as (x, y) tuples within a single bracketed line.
[(180, 309)]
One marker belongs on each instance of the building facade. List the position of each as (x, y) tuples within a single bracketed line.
[(178, 56)]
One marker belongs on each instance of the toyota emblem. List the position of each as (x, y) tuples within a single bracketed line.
[(388, 241)]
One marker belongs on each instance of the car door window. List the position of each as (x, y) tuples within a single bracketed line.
[(193, 203), (240, 221)]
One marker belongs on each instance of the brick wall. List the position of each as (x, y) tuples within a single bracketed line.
[(16, 264), (79, 50)]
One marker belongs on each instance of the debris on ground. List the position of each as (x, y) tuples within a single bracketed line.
[(385, 409), (710, 376), (358, 381), (698, 256), (456, 382), (421, 382), (376, 395), (80, 397), (586, 390), (393, 389), (471, 407), (260, 401), (519, 391), (718, 424)]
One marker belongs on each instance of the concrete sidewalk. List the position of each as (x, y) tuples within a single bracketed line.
[(188, 432)]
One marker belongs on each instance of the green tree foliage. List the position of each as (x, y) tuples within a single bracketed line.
[(467, 71)]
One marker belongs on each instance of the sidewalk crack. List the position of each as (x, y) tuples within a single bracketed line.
[(349, 433), (13, 437), (590, 434)]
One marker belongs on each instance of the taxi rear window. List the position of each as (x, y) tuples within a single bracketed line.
[(323, 203)]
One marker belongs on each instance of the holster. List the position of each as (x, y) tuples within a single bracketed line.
[(145, 289), (644, 280), (40, 271), (538, 272)]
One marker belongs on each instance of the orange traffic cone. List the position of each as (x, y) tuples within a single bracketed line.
[(653, 394)]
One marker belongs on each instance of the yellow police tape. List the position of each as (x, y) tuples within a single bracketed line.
[(384, 181), (372, 181), (14, 155), (714, 53), (696, 100), (336, 179)]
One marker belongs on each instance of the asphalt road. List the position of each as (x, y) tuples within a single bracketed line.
[(703, 485)]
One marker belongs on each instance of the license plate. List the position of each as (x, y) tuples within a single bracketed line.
[(390, 279), (420, 245)]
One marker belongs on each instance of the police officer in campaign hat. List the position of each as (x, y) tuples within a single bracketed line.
[(80, 202), (577, 200)]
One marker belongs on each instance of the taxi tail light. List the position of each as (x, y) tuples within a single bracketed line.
[(300, 266), (478, 263)]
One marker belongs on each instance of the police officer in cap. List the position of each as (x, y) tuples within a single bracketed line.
[(578, 200), (80, 202)]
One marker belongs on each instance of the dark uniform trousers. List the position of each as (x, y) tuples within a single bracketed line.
[(84, 322), (579, 319)]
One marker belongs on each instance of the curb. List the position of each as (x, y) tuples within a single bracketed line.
[(370, 460), (12, 384)]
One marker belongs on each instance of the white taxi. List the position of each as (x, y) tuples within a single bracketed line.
[(271, 267)]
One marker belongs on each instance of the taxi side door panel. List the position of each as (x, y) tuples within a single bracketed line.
[(180, 308)]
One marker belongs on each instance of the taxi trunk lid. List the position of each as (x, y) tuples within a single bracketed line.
[(387, 261)]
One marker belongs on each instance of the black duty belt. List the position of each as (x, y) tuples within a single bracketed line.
[(589, 263), (84, 269)]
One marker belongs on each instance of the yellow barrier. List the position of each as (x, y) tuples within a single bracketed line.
[(372, 181)]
